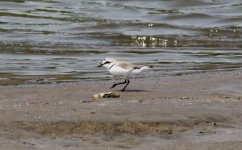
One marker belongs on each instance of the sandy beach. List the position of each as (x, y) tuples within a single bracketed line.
[(197, 111)]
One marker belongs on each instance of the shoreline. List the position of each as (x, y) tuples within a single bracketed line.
[(177, 112)]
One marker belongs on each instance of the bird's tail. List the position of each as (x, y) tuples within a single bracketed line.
[(140, 69), (146, 67)]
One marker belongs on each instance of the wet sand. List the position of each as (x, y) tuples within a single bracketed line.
[(198, 111)]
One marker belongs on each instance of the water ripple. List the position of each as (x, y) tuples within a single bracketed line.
[(63, 41)]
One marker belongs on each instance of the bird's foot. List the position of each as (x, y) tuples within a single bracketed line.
[(114, 84), (123, 90)]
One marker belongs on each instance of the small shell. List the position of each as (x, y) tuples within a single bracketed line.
[(106, 95)]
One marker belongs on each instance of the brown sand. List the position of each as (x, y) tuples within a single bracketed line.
[(199, 111)]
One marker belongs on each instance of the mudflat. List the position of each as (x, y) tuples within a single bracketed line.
[(194, 111)]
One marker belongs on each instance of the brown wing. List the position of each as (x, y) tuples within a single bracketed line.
[(127, 65)]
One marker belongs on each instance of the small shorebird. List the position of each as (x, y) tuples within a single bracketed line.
[(124, 68)]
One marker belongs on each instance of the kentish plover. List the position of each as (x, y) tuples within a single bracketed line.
[(124, 68)]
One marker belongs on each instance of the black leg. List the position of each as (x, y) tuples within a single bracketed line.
[(115, 84), (125, 85)]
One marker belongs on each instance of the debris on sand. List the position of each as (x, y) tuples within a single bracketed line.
[(106, 95)]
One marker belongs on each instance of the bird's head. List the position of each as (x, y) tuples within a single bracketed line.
[(107, 62)]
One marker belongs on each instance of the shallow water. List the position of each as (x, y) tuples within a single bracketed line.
[(49, 41)]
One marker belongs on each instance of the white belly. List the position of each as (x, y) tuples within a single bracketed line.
[(117, 71)]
